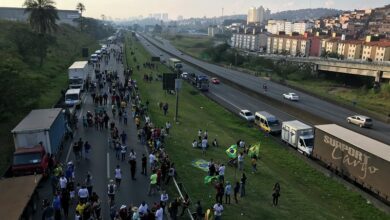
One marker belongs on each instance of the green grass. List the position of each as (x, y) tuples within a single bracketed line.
[(194, 46), (305, 192)]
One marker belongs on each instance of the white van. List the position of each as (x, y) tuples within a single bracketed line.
[(94, 58), (73, 97)]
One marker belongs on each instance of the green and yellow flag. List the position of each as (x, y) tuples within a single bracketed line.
[(208, 179), (254, 150), (232, 151)]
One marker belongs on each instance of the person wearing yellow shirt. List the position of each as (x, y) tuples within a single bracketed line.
[(80, 208)]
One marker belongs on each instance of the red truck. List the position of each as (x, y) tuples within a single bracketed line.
[(30, 160)]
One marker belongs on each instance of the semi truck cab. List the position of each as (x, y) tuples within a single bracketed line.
[(30, 160)]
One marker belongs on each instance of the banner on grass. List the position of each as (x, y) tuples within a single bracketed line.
[(201, 164), (208, 179), (232, 151)]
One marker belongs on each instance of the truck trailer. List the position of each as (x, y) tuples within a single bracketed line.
[(174, 63), (78, 74), (298, 135), (356, 157)]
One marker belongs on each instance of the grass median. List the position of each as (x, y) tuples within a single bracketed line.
[(305, 192)]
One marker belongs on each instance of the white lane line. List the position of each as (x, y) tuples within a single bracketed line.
[(108, 165), (226, 100), (68, 155), (82, 105)]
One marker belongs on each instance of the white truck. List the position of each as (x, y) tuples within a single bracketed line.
[(298, 135), (78, 74), (174, 63)]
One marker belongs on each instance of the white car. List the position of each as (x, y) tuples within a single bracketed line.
[(247, 115), (184, 75), (291, 96), (360, 120)]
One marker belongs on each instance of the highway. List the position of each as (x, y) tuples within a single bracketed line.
[(241, 99)]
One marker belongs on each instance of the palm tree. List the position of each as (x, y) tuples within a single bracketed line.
[(42, 18), (81, 8)]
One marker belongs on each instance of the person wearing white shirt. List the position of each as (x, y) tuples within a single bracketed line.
[(204, 145), (163, 200), (218, 209), (221, 172), (159, 213), (152, 158), (118, 175), (63, 182), (143, 208), (83, 194), (240, 160)]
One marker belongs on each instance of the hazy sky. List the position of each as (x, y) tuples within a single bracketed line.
[(197, 8)]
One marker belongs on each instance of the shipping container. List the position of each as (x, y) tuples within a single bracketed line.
[(41, 125), (355, 156)]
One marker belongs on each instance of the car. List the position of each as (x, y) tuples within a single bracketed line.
[(247, 115), (361, 120), (291, 96), (184, 75), (215, 80)]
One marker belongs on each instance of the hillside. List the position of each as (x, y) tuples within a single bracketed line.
[(24, 85), (303, 14)]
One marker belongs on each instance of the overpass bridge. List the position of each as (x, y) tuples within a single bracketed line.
[(363, 68)]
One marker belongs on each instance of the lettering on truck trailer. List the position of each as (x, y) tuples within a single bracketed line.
[(353, 157)]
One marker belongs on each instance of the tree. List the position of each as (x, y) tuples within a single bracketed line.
[(42, 18), (81, 8)]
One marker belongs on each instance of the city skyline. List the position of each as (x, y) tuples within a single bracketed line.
[(190, 8)]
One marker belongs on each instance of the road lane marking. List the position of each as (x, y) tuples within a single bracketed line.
[(68, 155), (108, 165)]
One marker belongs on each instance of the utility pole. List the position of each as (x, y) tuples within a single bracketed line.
[(177, 88)]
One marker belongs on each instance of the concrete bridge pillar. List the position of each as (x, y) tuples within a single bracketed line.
[(378, 76)]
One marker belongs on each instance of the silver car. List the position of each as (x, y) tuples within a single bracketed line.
[(362, 121)]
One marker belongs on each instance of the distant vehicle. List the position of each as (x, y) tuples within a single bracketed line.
[(78, 74), (247, 115), (291, 96), (215, 80), (98, 53), (184, 75), (362, 121), (94, 58), (174, 63)]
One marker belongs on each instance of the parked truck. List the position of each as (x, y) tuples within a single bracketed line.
[(78, 74), (201, 82), (298, 135), (355, 156), (40, 132)]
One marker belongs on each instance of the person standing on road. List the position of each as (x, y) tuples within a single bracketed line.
[(153, 183), (133, 166), (123, 152), (88, 183), (63, 181), (87, 148), (57, 207), (83, 194), (111, 188), (123, 137), (118, 176), (65, 202), (144, 162), (152, 159)]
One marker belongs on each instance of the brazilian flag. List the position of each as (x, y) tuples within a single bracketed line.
[(208, 179), (254, 150), (232, 151)]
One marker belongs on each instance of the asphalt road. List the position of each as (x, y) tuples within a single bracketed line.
[(103, 162), (331, 112)]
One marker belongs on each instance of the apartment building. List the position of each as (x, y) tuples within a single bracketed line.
[(249, 40), (292, 45), (376, 51)]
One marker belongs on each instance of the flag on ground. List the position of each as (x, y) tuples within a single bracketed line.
[(208, 179), (232, 151), (254, 150)]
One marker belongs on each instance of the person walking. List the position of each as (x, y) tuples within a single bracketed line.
[(218, 209), (65, 202), (171, 173), (57, 207), (87, 148), (243, 182), (133, 165), (118, 176), (153, 183), (165, 108), (254, 164), (164, 199), (276, 194), (48, 211), (228, 192), (174, 208), (88, 183), (221, 172), (204, 145), (240, 160), (123, 152), (144, 162)]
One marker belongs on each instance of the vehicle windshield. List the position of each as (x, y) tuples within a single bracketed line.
[(248, 114), (273, 123), (368, 120), (75, 81), (20, 159), (309, 142), (72, 97)]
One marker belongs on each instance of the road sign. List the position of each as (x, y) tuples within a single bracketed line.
[(169, 81), (155, 59), (178, 83)]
